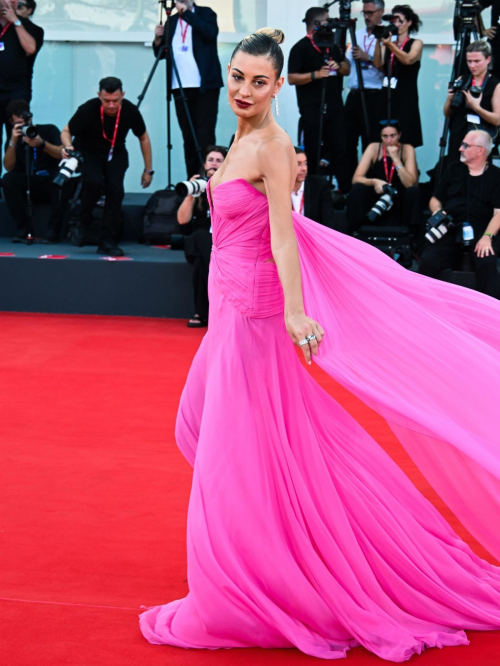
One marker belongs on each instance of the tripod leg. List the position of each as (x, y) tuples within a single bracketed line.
[(186, 109)]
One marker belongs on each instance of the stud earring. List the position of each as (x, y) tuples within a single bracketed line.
[(276, 105)]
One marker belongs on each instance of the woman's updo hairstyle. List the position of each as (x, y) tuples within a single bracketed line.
[(409, 15), (265, 42), (479, 47)]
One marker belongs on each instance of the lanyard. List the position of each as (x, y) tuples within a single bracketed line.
[(315, 45), (5, 30), (388, 176), (183, 32), (113, 140), (367, 49), (401, 48)]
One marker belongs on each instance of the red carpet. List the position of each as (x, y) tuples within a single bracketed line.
[(93, 495)]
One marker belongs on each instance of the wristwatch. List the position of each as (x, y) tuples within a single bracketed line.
[(149, 171), (43, 144), (18, 23)]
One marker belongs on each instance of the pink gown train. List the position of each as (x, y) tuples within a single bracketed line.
[(302, 532)]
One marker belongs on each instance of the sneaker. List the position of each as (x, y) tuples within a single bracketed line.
[(51, 237), (110, 248)]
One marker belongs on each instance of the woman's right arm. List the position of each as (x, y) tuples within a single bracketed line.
[(364, 166)]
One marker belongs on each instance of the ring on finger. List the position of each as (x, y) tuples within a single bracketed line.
[(311, 337), (303, 342)]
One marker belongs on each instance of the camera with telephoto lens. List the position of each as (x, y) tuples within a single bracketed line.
[(385, 31), (67, 167), (28, 130), (191, 188), (438, 225), (385, 203)]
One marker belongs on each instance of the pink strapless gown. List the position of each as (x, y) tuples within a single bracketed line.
[(302, 532)]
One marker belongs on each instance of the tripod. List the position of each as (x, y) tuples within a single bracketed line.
[(341, 26), (30, 238), (165, 50), (464, 28)]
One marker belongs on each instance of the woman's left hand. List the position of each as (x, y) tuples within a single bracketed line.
[(473, 103), (300, 327)]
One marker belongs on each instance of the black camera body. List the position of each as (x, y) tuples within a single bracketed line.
[(458, 87), (385, 31), (385, 203), (325, 39)]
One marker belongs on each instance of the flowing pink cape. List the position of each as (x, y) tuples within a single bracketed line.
[(424, 354)]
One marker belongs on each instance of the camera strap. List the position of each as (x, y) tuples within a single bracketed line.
[(113, 140), (309, 37), (389, 176), (393, 56)]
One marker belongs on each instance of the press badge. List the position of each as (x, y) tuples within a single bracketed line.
[(2, 46), (472, 118), (110, 155), (184, 48)]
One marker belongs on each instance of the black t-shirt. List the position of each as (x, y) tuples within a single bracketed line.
[(303, 59), (495, 16), (470, 198), (87, 128), (40, 160), (201, 215), (16, 68)]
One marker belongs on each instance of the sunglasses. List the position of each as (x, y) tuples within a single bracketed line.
[(469, 145), (393, 121)]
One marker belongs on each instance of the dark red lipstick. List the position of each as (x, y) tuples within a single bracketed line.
[(242, 104)]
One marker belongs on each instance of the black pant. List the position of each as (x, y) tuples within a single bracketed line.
[(447, 253), (197, 248), (203, 109), (406, 211), (334, 142), (96, 172), (355, 123), (14, 185), (5, 99)]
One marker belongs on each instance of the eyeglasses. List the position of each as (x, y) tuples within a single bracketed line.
[(365, 13), (469, 145)]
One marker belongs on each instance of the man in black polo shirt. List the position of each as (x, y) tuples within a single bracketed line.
[(307, 70), (193, 43), (44, 151), (26, 9), (20, 40), (100, 127), (469, 191)]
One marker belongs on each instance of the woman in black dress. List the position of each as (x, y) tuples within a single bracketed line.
[(388, 162), (479, 104), (401, 62)]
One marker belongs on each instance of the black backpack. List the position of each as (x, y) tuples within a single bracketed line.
[(159, 220)]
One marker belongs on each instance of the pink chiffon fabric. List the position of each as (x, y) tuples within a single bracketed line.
[(302, 531)]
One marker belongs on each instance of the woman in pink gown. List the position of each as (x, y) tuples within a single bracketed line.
[(302, 532)]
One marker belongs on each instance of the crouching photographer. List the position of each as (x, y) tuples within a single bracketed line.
[(100, 127), (34, 151), (194, 210), (473, 102), (385, 184), (466, 216)]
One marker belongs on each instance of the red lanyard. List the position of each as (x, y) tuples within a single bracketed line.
[(113, 140), (5, 30), (183, 32), (388, 176), (401, 47), (367, 50), (315, 45)]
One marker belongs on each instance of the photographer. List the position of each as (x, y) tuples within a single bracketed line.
[(44, 155), (193, 43), (26, 9), (311, 194), (307, 69), (469, 191), (400, 60), (198, 245), (388, 162), (364, 52), (476, 105), (100, 127), (21, 40)]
